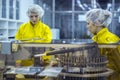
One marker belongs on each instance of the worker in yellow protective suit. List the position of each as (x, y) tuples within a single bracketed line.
[(34, 31), (97, 22)]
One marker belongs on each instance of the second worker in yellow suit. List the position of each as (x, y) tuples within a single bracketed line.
[(34, 30), (97, 23)]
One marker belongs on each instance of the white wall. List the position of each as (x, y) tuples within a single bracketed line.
[(24, 4)]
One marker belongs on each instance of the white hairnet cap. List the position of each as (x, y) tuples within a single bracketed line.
[(35, 9), (99, 17)]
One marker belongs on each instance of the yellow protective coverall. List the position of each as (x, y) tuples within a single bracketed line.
[(39, 33), (113, 54), (105, 36)]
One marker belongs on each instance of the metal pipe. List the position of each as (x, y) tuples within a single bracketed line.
[(66, 50)]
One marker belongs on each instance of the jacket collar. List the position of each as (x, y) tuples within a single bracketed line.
[(35, 24), (99, 34), (102, 31)]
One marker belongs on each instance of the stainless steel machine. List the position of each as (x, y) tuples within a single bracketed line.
[(75, 61)]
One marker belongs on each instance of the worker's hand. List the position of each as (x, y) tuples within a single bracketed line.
[(42, 62), (54, 63)]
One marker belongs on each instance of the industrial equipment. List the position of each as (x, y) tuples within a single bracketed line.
[(75, 61)]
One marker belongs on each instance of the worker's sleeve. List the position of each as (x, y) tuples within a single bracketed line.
[(113, 56), (18, 35)]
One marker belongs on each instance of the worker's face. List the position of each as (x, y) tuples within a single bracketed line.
[(92, 28), (34, 18)]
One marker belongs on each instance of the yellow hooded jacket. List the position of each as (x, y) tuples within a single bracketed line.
[(105, 36), (39, 33), (113, 54)]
